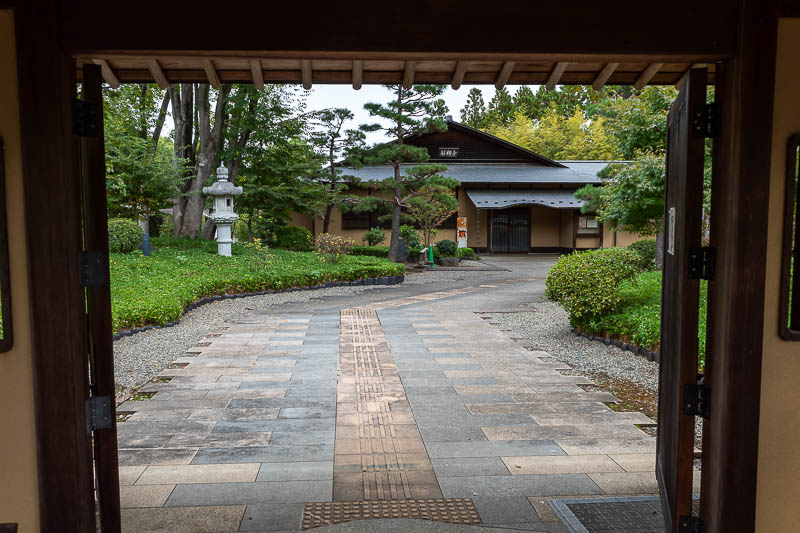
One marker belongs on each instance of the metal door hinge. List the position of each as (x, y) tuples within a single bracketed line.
[(691, 524), (697, 400), (85, 118), (702, 262), (706, 121), (98, 413), (92, 269)]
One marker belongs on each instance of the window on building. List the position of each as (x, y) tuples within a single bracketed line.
[(448, 151), (588, 225)]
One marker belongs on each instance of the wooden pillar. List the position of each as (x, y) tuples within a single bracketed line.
[(741, 180), (57, 301)]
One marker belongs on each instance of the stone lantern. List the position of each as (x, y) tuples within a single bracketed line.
[(223, 216)]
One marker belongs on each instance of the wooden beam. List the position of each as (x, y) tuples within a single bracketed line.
[(603, 76), (305, 73), (157, 73), (555, 75), (458, 74), (651, 70), (358, 73), (257, 74), (682, 80), (211, 72), (108, 74), (408, 74), (504, 74)]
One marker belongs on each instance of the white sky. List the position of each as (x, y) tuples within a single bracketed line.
[(326, 96)]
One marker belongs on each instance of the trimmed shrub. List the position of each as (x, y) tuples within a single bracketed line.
[(447, 248), (292, 238), (410, 235), (466, 252), (585, 283), (332, 247), (124, 235), (646, 250), (374, 236), (371, 251)]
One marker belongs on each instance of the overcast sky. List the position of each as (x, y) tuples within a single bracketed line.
[(325, 96)]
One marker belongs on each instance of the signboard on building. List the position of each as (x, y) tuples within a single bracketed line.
[(461, 232)]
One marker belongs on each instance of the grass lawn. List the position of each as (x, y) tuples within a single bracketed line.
[(154, 290), (638, 316)]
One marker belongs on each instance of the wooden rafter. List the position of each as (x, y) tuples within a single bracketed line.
[(504, 74), (458, 74), (257, 74), (555, 75), (211, 72), (603, 76), (305, 73), (108, 74), (157, 73), (647, 75), (358, 73), (680, 82), (408, 74)]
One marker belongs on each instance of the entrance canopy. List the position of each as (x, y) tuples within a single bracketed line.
[(500, 199)]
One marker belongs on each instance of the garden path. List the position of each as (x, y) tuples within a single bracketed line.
[(398, 403)]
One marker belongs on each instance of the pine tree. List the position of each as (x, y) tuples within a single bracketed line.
[(474, 113), (412, 111), (525, 101), (501, 109)]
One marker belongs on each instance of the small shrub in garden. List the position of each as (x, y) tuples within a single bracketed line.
[(410, 235), (292, 238), (585, 283), (447, 248), (372, 251), (374, 236), (124, 235), (466, 252), (646, 250), (332, 247)]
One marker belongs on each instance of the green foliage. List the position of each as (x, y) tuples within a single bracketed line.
[(374, 236), (466, 253), (501, 109), (585, 283), (646, 250), (447, 248), (371, 251), (474, 112), (410, 235), (292, 238), (124, 235), (332, 248), (639, 123), (430, 208), (154, 290)]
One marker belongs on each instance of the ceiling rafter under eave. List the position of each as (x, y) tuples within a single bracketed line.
[(305, 73), (257, 74), (358, 73), (458, 74), (108, 73), (157, 73), (555, 75), (505, 73), (651, 70), (211, 72), (409, 73), (602, 78)]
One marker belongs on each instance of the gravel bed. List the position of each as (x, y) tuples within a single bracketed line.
[(140, 357), (546, 327), (440, 276)]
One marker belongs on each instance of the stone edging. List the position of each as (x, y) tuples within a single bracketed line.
[(628, 347), (383, 280)]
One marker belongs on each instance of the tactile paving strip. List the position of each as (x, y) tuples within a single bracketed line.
[(453, 510)]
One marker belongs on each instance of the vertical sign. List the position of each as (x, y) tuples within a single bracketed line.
[(461, 232)]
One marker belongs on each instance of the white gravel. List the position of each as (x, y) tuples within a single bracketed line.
[(546, 327), (140, 357)]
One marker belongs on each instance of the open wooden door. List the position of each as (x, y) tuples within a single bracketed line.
[(686, 127)]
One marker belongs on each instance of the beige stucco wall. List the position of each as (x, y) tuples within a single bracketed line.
[(565, 235), (624, 238), (778, 490), (304, 220), (18, 471), (545, 227)]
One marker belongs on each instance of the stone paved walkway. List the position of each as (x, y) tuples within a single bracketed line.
[(408, 399)]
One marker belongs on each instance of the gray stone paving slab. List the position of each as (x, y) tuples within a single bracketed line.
[(296, 471), (265, 454), (493, 448), (286, 424), (198, 494), (156, 456), (494, 510), (302, 437), (439, 433), (213, 519), (274, 517), (527, 485), (469, 466)]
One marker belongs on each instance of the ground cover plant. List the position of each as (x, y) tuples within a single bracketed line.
[(154, 290)]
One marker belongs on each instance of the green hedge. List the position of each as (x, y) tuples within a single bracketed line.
[(292, 238), (585, 283), (466, 252), (371, 251), (155, 290), (646, 251), (447, 248), (124, 235)]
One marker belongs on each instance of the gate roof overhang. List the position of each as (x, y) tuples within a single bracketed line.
[(495, 199)]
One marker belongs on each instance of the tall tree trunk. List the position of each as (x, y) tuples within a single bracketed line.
[(326, 220), (162, 115), (394, 242), (182, 98)]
